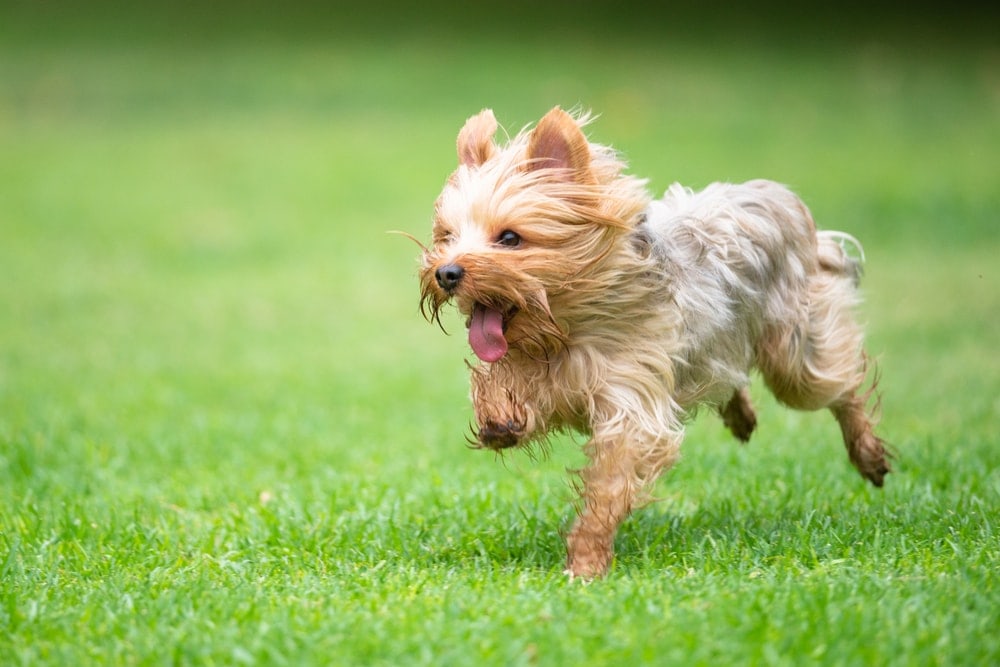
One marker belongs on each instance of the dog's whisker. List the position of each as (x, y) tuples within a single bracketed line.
[(407, 235)]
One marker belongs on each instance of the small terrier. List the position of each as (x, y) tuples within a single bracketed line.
[(595, 308)]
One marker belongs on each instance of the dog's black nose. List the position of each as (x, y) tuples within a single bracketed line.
[(448, 276)]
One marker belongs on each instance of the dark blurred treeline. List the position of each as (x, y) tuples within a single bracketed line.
[(761, 23)]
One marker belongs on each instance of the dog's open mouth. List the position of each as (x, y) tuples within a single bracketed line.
[(487, 325)]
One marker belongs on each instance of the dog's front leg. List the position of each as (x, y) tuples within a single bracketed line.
[(621, 467), (608, 496), (503, 418)]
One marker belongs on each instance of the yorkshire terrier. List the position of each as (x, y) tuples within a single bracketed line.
[(593, 307)]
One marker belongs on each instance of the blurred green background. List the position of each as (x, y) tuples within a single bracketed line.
[(186, 187), (201, 309)]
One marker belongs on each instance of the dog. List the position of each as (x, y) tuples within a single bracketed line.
[(593, 307)]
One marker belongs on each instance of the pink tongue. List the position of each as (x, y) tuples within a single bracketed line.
[(486, 333)]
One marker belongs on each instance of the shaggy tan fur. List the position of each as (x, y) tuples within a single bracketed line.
[(595, 308)]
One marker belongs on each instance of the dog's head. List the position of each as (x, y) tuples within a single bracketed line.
[(519, 229)]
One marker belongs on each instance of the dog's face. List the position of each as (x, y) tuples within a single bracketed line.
[(514, 230)]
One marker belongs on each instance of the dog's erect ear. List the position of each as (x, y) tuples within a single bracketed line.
[(557, 142), (475, 141)]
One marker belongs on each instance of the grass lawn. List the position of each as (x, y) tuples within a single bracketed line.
[(227, 436)]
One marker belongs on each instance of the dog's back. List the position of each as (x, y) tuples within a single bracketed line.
[(741, 260)]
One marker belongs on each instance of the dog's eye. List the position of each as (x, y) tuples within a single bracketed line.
[(509, 239)]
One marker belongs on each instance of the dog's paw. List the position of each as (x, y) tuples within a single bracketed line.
[(739, 416), (588, 556), (589, 565), (497, 435)]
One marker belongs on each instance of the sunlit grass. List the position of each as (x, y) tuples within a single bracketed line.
[(227, 436)]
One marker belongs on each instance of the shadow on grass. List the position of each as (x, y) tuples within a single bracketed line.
[(723, 537), (719, 536)]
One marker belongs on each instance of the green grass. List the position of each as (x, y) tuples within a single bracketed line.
[(227, 436)]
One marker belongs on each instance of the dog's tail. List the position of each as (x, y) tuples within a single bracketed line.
[(842, 254)]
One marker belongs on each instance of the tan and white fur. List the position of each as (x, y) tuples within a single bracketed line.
[(593, 307)]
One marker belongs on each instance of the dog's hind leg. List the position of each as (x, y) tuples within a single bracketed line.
[(739, 416), (818, 361), (865, 449)]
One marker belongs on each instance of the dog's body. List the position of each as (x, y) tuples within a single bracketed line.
[(594, 308)]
